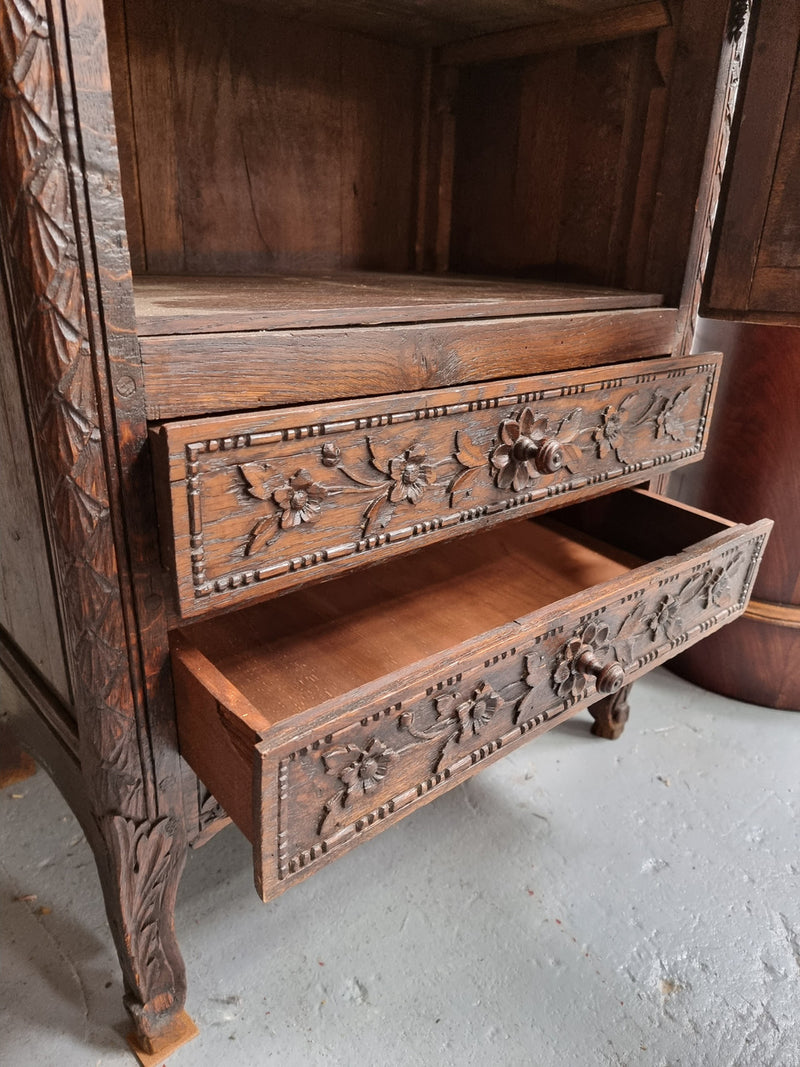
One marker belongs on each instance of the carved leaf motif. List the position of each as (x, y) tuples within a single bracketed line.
[(467, 452), (262, 533), (256, 475), (378, 513), (143, 851), (380, 457), (629, 631), (462, 483), (569, 427), (472, 459)]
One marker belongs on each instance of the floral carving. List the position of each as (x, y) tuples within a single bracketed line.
[(579, 660), (411, 473), (471, 714), (299, 500), (359, 770), (715, 587), (530, 447), (609, 436), (666, 617)]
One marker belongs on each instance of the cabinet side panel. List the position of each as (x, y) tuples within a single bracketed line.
[(28, 608)]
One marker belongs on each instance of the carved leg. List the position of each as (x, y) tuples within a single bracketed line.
[(610, 714), (15, 765), (140, 864)]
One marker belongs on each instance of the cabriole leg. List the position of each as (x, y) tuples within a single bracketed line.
[(140, 864), (610, 714)]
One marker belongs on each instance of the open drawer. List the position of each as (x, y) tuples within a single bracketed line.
[(258, 502), (320, 718)]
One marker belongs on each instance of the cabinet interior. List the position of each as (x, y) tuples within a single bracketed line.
[(271, 139)]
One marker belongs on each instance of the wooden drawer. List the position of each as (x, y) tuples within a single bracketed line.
[(321, 718), (254, 503)]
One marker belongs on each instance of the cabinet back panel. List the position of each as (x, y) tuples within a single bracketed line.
[(547, 156), (267, 145)]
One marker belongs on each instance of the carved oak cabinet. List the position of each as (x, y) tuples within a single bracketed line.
[(304, 304)]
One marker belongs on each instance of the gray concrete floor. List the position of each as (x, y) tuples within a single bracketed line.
[(580, 903)]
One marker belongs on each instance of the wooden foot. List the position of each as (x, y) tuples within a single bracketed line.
[(15, 765), (140, 862), (181, 1031), (610, 714)]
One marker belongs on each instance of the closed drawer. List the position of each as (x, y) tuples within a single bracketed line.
[(254, 503), (321, 718)]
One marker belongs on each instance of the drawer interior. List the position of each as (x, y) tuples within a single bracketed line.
[(289, 655), (320, 718)]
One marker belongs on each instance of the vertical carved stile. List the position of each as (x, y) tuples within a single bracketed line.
[(714, 167), (63, 366)]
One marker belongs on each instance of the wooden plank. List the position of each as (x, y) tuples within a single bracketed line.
[(198, 305), (150, 60), (270, 143), (628, 21), (191, 375)]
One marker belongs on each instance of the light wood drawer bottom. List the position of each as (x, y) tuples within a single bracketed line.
[(323, 717)]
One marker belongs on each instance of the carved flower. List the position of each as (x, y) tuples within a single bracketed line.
[(530, 447), (669, 420), (471, 714), (609, 435), (364, 772), (569, 677), (715, 586), (411, 474), (666, 617), (299, 500)]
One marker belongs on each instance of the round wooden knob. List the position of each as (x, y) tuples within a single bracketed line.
[(547, 455), (609, 677)]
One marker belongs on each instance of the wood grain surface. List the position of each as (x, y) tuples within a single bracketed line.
[(200, 374), (191, 305)]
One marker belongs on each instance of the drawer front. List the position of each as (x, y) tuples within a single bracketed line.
[(263, 501), (344, 778)]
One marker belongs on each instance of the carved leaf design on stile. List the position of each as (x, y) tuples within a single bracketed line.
[(143, 851)]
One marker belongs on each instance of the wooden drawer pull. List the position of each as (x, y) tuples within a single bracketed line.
[(609, 677)]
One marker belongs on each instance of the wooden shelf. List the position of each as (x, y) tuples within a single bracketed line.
[(167, 305), (436, 22), (319, 643)]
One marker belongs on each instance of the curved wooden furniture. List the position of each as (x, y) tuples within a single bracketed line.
[(750, 470)]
